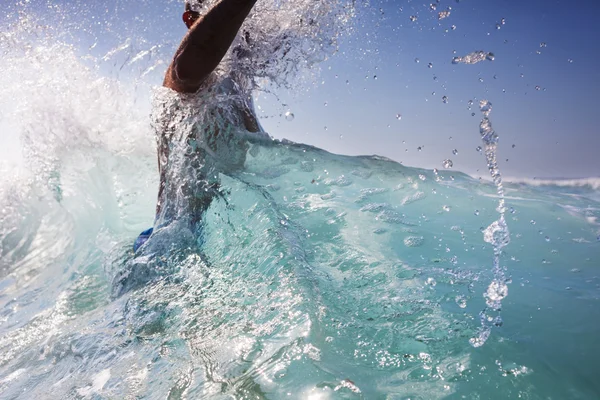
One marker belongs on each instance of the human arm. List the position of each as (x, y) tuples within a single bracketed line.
[(205, 45)]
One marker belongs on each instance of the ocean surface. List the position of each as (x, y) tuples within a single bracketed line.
[(316, 276)]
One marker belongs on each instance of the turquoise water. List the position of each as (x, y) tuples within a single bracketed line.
[(319, 276)]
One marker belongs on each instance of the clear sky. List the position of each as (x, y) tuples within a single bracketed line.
[(353, 106)]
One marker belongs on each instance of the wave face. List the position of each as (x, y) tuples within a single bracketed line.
[(319, 276)]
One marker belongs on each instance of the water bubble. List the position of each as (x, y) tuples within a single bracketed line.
[(430, 282), (503, 21), (417, 60), (478, 148), (547, 239), (514, 145), (398, 117), (476, 212), (538, 88), (445, 99), (498, 26), (472, 114), (447, 163), (570, 60), (419, 148), (455, 152), (341, 136), (461, 301), (430, 65), (413, 241), (470, 103), (532, 222), (413, 18), (433, 7), (289, 116), (325, 104), (481, 80), (446, 208), (543, 44), (453, 27), (325, 128), (422, 177)]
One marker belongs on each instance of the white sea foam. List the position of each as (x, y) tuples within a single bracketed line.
[(591, 182)]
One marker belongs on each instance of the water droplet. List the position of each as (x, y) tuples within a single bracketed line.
[(547, 239), (417, 60), (503, 21), (289, 116), (538, 88), (476, 212), (375, 77), (413, 18), (453, 27), (570, 60), (325, 128), (341, 136), (422, 177), (481, 80), (532, 222), (455, 152), (430, 282), (447, 163), (470, 103), (446, 208), (433, 7), (478, 148), (435, 78), (543, 44), (472, 114), (514, 145), (498, 26), (419, 148), (445, 99), (430, 65), (398, 117), (325, 104)]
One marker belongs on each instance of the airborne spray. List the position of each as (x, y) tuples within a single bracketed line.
[(497, 234)]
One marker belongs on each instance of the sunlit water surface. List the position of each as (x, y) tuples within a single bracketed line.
[(319, 276)]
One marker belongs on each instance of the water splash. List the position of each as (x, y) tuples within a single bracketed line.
[(474, 57), (496, 234)]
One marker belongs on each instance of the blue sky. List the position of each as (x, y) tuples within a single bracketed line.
[(553, 129)]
